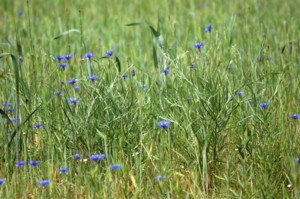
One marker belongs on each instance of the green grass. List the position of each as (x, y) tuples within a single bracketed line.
[(218, 145)]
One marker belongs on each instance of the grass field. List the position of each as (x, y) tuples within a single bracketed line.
[(164, 99)]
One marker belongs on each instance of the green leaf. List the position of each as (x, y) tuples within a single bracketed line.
[(67, 32), (4, 54), (135, 24), (154, 32), (155, 57), (118, 64)]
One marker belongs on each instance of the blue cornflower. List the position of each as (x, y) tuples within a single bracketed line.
[(20, 163), (163, 124), (93, 78), (264, 105), (89, 55), (295, 116), (6, 104), (198, 45), (115, 166), (259, 59), (124, 76), (44, 182), (59, 57), (77, 156), (208, 28), (297, 160), (8, 131), (230, 68), (74, 100), (76, 88), (97, 157), (109, 53), (239, 93), (34, 162), (166, 70), (68, 57), (20, 12), (39, 125), (142, 86), (72, 81), (63, 65), (64, 170), (192, 66), (160, 177), (58, 93), (2, 180), (269, 58), (11, 110), (132, 72)]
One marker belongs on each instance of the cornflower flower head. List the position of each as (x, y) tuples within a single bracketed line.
[(230, 68), (44, 182), (6, 104), (20, 12), (163, 124), (8, 131), (208, 28), (264, 105), (76, 88), (192, 66), (74, 100), (20, 163), (239, 93), (34, 162), (295, 116), (297, 160), (2, 180), (109, 53), (59, 57), (198, 45), (58, 93), (132, 72), (11, 110), (269, 58), (93, 78), (124, 76), (160, 177), (72, 81), (63, 65), (166, 71), (115, 166), (39, 125), (64, 170), (142, 86), (89, 55), (68, 57), (77, 156), (97, 157)]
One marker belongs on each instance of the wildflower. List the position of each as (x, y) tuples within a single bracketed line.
[(6, 104), (20, 163), (8, 131), (142, 86), (34, 162), (160, 177), (89, 55), (132, 72), (64, 170), (2, 181), (39, 125), (269, 58), (44, 182), (68, 57), (192, 66), (230, 68), (208, 28), (77, 156), (264, 105), (239, 93), (166, 70), (74, 100), (115, 166), (72, 81), (76, 88), (63, 65), (124, 76), (295, 116), (163, 124), (58, 93), (259, 59), (109, 53), (198, 45), (297, 160), (59, 57), (34, 17), (93, 78), (11, 110), (97, 157), (20, 12)]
